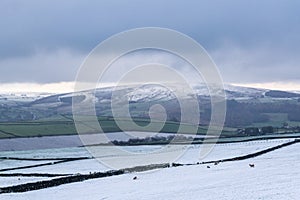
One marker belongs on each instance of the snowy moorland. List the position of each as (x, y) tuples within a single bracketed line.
[(275, 175)]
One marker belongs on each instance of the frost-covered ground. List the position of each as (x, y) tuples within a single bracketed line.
[(276, 175)]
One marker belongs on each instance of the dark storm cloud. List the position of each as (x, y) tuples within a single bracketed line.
[(241, 36)]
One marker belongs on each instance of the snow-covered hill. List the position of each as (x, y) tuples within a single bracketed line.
[(22, 97), (151, 92), (275, 176), (45, 105)]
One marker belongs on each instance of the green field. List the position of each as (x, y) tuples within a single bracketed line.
[(276, 120), (64, 125)]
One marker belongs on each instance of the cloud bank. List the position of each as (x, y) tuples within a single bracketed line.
[(252, 42)]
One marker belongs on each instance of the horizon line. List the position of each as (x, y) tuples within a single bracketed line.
[(68, 86)]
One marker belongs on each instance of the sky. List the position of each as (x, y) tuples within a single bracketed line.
[(44, 42)]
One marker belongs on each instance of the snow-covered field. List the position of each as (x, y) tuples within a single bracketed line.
[(276, 175)]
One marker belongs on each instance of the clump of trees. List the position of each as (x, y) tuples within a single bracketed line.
[(155, 140), (255, 131)]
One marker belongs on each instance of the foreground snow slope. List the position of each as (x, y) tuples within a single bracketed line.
[(191, 155), (276, 176)]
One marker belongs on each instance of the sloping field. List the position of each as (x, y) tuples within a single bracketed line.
[(275, 175)]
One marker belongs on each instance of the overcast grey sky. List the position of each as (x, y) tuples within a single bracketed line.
[(251, 41)]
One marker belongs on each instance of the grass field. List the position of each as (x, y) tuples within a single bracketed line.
[(277, 120), (64, 125)]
